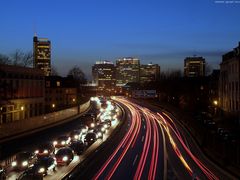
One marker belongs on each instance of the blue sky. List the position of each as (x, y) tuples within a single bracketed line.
[(158, 31)]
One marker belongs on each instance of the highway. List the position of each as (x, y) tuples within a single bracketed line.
[(155, 147), (150, 144)]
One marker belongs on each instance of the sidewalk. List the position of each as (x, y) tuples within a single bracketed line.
[(14, 129)]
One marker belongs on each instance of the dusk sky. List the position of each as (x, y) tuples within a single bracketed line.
[(158, 31)]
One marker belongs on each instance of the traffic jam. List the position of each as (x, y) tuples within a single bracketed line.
[(49, 157)]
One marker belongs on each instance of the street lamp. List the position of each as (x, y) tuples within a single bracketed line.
[(215, 102), (53, 105), (22, 108)]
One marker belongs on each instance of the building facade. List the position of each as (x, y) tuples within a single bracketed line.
[(22, 93), (149, 73), (229, 82), (104, 75), (42, 54), (127, 70), (194, 66), (60, 93)]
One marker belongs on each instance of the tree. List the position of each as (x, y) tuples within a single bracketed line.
[(5, 59), (77, 74), (54, 71), (19, 58)]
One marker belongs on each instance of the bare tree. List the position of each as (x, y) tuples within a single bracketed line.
[(77, 74), (19, 58), (54, 71), (5, 59)]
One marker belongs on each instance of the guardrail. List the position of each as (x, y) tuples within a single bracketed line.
[(17, 127)]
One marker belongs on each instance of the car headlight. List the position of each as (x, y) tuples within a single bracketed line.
[(54, 143), (103, 129), (105, 125), (76, 136), (92, 125), (99, 134), (24, 163), (45, 151), (36, 152), (41, 170), (63, 142), (14, 163), (65, 158)]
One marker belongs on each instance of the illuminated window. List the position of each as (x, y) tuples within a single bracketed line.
[(58, 83)]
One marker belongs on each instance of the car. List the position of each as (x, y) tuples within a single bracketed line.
[(76, 135), (83, 128), (64, 156), (29, 174), (44, 165), (90, 138), (101, 128), (77, 146), (23, 160), (3, 175), (62, 141), (98, 132), (106, 124), (45, 149)]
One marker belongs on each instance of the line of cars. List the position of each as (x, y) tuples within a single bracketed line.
[(61, 151)]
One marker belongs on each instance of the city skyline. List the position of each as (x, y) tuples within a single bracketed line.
[(155, 31)]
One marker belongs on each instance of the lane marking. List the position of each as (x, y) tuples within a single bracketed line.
[(135, 159), (142, 138), (144, 127)]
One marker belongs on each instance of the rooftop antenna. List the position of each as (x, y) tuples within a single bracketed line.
[(34, 29)]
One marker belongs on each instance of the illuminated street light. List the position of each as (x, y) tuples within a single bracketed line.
[(53, 105), (73, 99), (22, 108), (215, 102)]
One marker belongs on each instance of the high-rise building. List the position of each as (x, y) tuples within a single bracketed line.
[(104, 75), (42, 54), (149, 73), (229, 90), (194, 67), (127, 70)]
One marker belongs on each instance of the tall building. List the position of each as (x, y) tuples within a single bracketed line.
[(21, 93), (104, 75), (194, 66), (149, 73), (42, 54), (229, 97), (127, 70)]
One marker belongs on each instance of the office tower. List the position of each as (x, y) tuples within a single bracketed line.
[(127, 70), (194, 67), (42, 54)]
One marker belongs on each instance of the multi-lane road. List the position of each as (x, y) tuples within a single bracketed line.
[(154, 146), (150, 144)]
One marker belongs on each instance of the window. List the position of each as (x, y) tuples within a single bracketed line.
[(58, 84)]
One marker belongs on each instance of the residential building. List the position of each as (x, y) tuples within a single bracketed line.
[(60, 93), (194, 66), (127, 70), (104, 75), (149, 73), (42, 54), (21, 93), (229, 96)]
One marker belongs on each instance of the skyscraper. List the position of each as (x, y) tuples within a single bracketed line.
[(127, 70), (194, 66), (149, 73), (42, 54), (104, 75)]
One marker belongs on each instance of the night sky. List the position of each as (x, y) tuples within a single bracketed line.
[(158, 31)]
